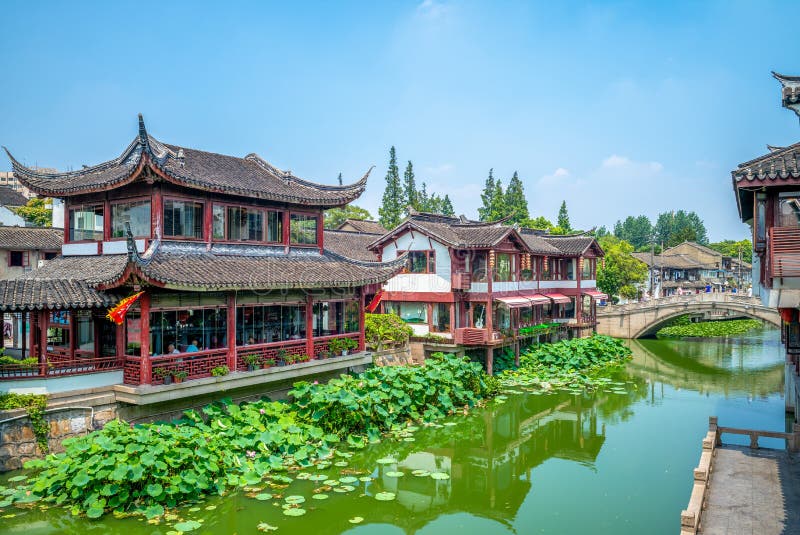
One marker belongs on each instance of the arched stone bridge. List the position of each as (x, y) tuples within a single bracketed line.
[(636, 320)]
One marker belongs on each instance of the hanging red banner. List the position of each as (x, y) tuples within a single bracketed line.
[(375, 302), (117, 314)]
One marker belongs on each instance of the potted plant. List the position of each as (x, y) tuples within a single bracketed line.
[(324, 354), (289, 359), (281, 356), (220, 371), (267, 363), (303, 358), (180, 375), (336, 346), (253, 361), (163, 373)]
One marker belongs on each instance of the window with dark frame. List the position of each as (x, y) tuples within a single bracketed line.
[(18, 258), (421, 262), (183, 219), (86, 223), (137, 213), (303, 229)]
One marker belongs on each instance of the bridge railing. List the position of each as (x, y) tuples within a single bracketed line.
[(712, 297)]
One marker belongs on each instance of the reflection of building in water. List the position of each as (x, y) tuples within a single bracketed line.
[(491, 467)]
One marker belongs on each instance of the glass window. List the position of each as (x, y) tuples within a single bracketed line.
[(478, 315), (86, 223), (570, 269), (479, 266), (351, 316), (502, 317), (275, 226), (421, 262), (18, 258), (525, 316), (205, 328), (58, 329), (245, 224), (503, 267), (136, 213), (789, 211), (569, 308), (218, 222), (335, 317), (303, 229), (588, 271), (84, 335), (547, 311), (409, 312), (262, 324), (183, 219), (440, 322)]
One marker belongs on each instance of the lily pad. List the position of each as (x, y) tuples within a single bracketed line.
[(264, 496), (385, 496), (341, 463), (356, 520), (318, 477), (440, 475), (409, 439), (189, 525), (263, 526), (331, 482), (449, 424), (320, 496), (420, 473), (394, 474), (294, 512), (16, 479), (386, 460), (348, 479), (365, 479), (294, 499)]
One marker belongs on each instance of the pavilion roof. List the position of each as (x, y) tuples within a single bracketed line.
[(350, 244), (35, 294), (364, 225), (250, 176)]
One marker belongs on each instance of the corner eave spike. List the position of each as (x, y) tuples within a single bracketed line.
[(142, 130)]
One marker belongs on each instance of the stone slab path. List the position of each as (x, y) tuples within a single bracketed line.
[(753, 492)]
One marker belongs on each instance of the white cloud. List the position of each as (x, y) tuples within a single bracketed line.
[(557, 176), (432, 9), (623, 163), (437, 170), (616, 161)]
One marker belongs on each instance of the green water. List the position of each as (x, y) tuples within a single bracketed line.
[(559, 463)]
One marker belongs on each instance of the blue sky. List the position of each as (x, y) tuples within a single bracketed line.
[(619, 108)]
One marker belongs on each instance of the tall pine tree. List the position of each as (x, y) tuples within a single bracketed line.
[(516, 205), (391, 209), (563, 218), (410, 187), (487, 196), (498, 208), (447, 206)]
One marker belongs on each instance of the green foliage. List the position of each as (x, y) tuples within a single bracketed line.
[(385, 329), (145, 469), (17, 363), (563, 218), (538, 223), (577, 362), (34, 405), (337, 345), (493, 199), (37, 211), (622, 271), (433, 203), (391, 209), (410, 186), (673, 228), (516, 204), (336, 216), (220, 371), (732, 248), (638, 231), (708, 329)]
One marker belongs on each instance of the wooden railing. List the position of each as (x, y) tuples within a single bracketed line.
[(470, 336), (61, 365), (321, 343), (268, 351), (784, 251), (196, 365)]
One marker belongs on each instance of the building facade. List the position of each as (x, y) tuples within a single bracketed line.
[(489, 285), (229, 254)]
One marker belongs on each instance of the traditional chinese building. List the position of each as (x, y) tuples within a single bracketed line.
[(488, 285), (768, 197), (229, 252)]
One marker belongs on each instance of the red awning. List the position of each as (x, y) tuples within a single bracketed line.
[(521, 301), (558, 298), (594, 294)]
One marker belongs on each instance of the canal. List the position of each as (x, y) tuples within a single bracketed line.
[(563, 463)]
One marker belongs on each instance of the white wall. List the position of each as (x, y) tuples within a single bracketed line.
[(550, 285), (10, 219), (58, 213), (419, 282)]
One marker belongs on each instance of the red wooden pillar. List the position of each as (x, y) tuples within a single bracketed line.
[(579, 299), (320, 233), (145, 368), (231, 328), (362, 345), (119, 341), (310, 326), (286, 228), (23, 340), (106, 219), (43, 341), (157, 213), (207, 222), (73, 329), (453, 323), (489, 360)]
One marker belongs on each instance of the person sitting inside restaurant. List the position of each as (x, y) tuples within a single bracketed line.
[(192, 348), (172, 350)]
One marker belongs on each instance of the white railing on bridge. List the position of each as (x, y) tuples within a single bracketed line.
[(711, 297)]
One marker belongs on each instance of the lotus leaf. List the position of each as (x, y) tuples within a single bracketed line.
[(320, 496), (356, 520), (348, 479), (294, 512), (394, 474), (385, 496), (440, 475)]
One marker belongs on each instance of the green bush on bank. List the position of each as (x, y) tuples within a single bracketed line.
[(708, 329), (149, 467)]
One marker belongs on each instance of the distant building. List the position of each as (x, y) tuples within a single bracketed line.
[(364, 226), (8, 180), (22, 248), (694, 268), (9, 200)]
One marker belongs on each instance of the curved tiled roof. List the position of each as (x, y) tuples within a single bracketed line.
[(350, 244), (781, 164), (11, 197), (364, 225), (35, 294), (31, 238), (570, 245), (250, 176), (452, 231)]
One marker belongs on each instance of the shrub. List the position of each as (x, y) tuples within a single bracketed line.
[(34, 405), (23, 363), (220, 371), (385, 329)]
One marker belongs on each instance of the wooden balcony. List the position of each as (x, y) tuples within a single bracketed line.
[(784, 252), (461, 281), (468, 336)]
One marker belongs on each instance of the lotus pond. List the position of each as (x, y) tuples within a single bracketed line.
[(616, 458)]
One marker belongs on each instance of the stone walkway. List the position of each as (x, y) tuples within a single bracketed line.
[(753, 492)]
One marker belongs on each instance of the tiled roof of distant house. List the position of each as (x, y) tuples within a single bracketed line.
[(29, 294), (31, 238), (350, 244), (363, 225), (11, 197)]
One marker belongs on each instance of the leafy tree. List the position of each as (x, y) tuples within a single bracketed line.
[(516, 205), (410, 187), (563, 218), (538, 223), (391, 209), (638, 231), (601, 232), (622, 271), (336, 216), (487, 198), (731, 248), (673, 228), (447, 206), (499, 209), (433, 203), (37, 211)]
